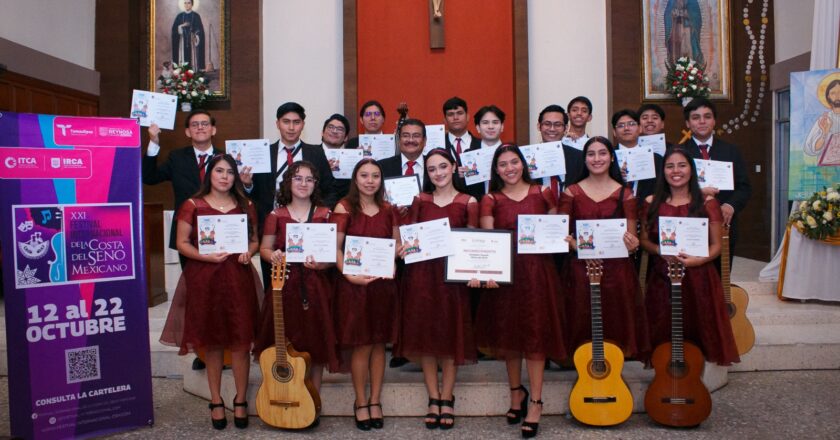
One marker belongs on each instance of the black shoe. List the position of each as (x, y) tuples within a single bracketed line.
[(217, 423), (431, 415), (446, 416), (397, 362), (378, 422), (364, 425), (532, 427), (198, 364), (515, 416), (240, 422)]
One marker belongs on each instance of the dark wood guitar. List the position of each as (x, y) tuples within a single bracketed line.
[(677, 396), (600, 397), (737, 302), (286, 398)]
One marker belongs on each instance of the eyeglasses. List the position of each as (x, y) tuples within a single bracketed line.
[(630, 124), (305, 180), (549, 124), (335, 129), (375, 114), (197, 124), (407, 136)]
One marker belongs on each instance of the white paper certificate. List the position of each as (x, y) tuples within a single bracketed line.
[(636, 163), (427, 240), (601, 238), (378, 146), (154, 108), (253, 153), (478, 164), (654, 141), (715, 173), (435, 138), (317, 240), (342, 161), (222, 233), (369, 256), (542, 234), (689, 235), (544, 160), (400, 191)]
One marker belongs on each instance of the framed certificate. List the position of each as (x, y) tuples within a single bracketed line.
[(483, 254), (689, 235), (310, 239), (222, 233), (401, 190)]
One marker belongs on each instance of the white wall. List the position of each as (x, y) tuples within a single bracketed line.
[(302, 61), (559, 71), (793, 23), (64, 29)]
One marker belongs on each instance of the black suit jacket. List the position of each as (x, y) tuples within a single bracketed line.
[(474, 143), (263, 192), (391, 166), (728, 153), (180, 168)]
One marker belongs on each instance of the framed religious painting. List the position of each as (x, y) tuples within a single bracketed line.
[(696, 29), (194, 32)]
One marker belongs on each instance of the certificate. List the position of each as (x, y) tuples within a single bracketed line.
[(542, 234), (317, 240), (400, 191), (427, 240), (601, 238), (154, 108), (378, 146), (435, 138), (369, 256), (343, 161), (222, 233), (654, 141), (483, 254), (715, 173), (252, 153), (689, 235), (636, 163), (478, 164), (544, 160)]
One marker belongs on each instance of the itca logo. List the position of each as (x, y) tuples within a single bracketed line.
[(11, 162)]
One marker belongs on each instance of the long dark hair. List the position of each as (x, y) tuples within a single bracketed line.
[(496, 182), (353, 195), (284, 193), (428, 186), (237, 190), (663, 190), (613, 171)]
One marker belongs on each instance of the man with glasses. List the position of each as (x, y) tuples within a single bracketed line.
[(372, 117), (334, 135), (626, 131), (552, 123), (412, 140)]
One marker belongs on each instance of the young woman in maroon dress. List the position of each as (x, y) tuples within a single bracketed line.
[(215, 306), (705, 318), (522, 319), (600, 194), (436, 326), (366, 307), (307, 293)]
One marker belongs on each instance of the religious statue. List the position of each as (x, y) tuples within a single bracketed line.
[(437, 7), (188, 38)]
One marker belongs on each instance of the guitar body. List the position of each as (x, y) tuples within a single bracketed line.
[(286, 397), (742, 328), (600, 398), (676, 396)]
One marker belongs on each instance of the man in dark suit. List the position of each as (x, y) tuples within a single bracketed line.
[(490, 124), (372, 117), (552, 123), (626, 130), (700, 116), (334, 136), (411, 139), (458, 138)]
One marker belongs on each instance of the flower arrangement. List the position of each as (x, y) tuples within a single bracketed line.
[(819, 217), (184, 82), (687, 79)]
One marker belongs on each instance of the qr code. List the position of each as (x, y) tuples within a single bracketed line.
[(82, 364)]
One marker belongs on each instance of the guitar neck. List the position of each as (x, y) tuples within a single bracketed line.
[(677, 353), (724, 268), (643, 271), (279, 326), (597, 323)]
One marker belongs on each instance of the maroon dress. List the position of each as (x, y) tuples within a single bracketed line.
[(622, 305), (215, 305), (366, 315), (311, 329), (523, 319), (435, 315), (705, 317)]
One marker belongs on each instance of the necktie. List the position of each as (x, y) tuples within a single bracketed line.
[(289, 158), (202, 170), (409, 170), (555, 187), (458, 145), (704, 151)]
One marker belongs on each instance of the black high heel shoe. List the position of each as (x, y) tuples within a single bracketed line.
[(363, 425), (447, 416), (515, 416), (378, 422), (217, 423), (240, 422), (532, 427), (430, 415)]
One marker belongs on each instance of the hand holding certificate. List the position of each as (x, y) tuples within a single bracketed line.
[(478, 164), (715, 173), (400, 191), (369, 256), (316, 240), (222, 233), (686, 235), (426, 240), (598, 239), (542, 234), (252, 153), (154, 108), (636, 163), (378, 146), (544, 160)]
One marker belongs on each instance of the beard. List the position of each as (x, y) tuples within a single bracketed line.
[(835, 104)]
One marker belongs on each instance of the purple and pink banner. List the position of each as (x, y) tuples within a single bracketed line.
[(77, 326)]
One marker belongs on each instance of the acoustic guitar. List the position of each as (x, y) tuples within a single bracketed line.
[(737, 302), (286, 398), (600, 397), (677, 396)]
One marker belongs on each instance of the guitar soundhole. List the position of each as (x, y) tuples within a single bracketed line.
[(282, 373), (677, 369), (599, 369), (730, 308)]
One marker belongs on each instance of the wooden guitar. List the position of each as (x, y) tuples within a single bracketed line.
[(677, 396), (737, 302), (600, 397), (286, 398)]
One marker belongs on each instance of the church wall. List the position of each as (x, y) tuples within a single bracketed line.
[(794, 20)]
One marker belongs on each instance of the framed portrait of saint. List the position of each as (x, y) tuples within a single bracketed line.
[(191, 31), (697, 29)]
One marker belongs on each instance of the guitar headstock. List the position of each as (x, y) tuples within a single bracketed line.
[(278, 274), (676, 271), (594, 270)]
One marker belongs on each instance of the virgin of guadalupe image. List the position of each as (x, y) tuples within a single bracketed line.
[(683, 23)]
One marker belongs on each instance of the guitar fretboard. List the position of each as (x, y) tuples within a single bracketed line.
[(597, 323), (724, 268), (279, 326), (677, 354)]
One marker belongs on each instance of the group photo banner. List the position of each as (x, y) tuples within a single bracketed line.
[(77, 329)]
